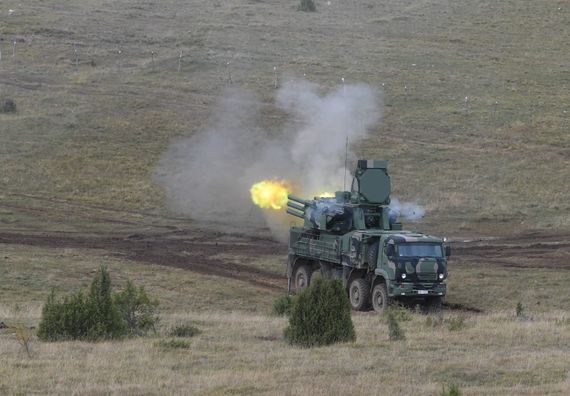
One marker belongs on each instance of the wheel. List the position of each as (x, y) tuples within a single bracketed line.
[(380, 299), (316, 274), (432, 305), (359, 292), (301, 278)]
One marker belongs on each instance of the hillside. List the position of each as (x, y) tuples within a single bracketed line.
[(474, 121), (92, 124)]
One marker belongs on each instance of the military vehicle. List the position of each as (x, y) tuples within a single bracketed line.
[(356, 237)]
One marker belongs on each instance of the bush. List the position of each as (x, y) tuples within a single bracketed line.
[(435, 320), (137, 309), (320, 315), (282, 305), (452, 391), (401, 313), (520, 311), (97, 315), (457, 323), (8, 106), (307, 5), (173, 344), (395, 332), (184, 330)]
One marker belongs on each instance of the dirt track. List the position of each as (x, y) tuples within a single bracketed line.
[(184, 244), (185, 249), (170, 249)]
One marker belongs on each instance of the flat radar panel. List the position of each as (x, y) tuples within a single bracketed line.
[(375, 186)]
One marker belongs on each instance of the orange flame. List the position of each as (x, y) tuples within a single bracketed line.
[(270, 194)]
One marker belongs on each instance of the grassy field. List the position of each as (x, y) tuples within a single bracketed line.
[(101, 91), (91, 127), (241, 349)]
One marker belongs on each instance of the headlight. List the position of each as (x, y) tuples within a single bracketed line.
[(403, 276), (440, 276)]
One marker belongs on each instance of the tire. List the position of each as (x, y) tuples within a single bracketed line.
[(380, 299), (359, 293), (301, 278), (316, 274)]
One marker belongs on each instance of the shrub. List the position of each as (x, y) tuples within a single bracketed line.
[(434, 320), (173, 344), (184, 330), (520, 310), (97, 315), (401, 313), (307, 5), (452, 391), (137, 309), (105, 321), (24, 337), (282, 305), (457, 323), (395, 332), (8, 106), (320, 315)]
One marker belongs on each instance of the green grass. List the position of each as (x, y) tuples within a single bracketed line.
[(94, 134)]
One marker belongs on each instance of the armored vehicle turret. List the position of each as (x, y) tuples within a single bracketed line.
[(356, 237)]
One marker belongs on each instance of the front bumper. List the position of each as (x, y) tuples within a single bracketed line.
[(417, 289)]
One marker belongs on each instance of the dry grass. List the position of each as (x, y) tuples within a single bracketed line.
[(241, 349), (240, 353)]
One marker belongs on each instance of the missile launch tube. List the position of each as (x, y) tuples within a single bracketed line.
[(295, 213), (295, 205)]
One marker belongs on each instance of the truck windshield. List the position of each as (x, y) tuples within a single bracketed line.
[(419, 250)]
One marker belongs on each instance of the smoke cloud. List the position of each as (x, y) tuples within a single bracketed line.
[(407, 210), (208, 175)]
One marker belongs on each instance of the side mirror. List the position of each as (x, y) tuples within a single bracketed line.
[(447, 250)]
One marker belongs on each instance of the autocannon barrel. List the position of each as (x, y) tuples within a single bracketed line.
[(295, 205), (296, 199), (295, 213)]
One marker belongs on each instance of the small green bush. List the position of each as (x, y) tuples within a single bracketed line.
[(395, 332), (184, 330), (520, 310), (307, 5), (138, 311), (320, 315), (401, 313), (173, 344), (456, 323), (434, 320), (97, 315), (282, 305), (452, 391)]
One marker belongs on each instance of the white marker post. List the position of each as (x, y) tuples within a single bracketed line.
[(275, 81), (179, 61), (229, 72)]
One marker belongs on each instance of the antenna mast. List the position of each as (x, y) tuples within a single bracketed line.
[(345, 164)]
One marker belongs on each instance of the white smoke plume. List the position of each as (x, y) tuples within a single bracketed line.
[(208, 175), (407, 210)]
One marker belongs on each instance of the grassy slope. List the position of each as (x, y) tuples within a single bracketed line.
[(81, 131), (93, 134)]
